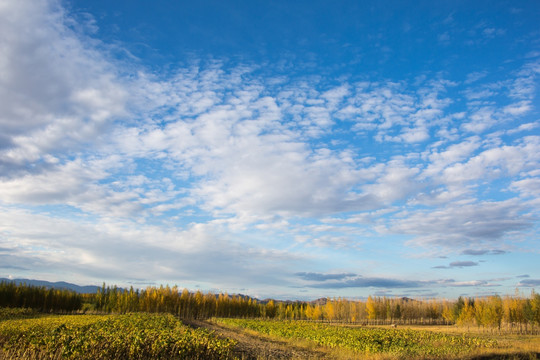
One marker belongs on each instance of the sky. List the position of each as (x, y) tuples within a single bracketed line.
[(292, 150)]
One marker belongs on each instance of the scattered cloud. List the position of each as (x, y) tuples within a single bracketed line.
[(479, 252), (366, 282), (471, 283), (490, 32), (461, 264), (475, 76), (310, 276), (466, 283), (457, 264), (525, 127), (529, 283), (390, 283)]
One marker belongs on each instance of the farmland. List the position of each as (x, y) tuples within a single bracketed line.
[(166, 323), (30, 335), (133, 336), (353, 342), (367, 340)]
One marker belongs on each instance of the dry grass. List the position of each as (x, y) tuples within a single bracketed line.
[(510, 346)]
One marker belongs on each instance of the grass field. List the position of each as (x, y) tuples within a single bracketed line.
[(28, 335)]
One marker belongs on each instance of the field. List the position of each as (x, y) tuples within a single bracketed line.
[(133, 336), (30, 335), (335, 341)]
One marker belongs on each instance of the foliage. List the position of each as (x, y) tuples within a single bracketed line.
[(38, 297), (402, 342), (171, 300), (18, 313), (134, 336)]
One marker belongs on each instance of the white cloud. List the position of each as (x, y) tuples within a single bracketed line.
[(485, 100), (475, 76), (55, 92), (53, 186), (279, 177), (524, 127), (461, 225), (479, 94), (122, 251), (415, 135), (468, 283), (524, 85), (397, 114), (517, 109), (480, 120), (527, 187), (496, 162), (396, 183), (452, 154)]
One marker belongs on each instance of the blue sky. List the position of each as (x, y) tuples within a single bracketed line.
[(278, 149)]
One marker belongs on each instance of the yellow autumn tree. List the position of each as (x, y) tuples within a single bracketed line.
[(467, 316), (308, 311), (271, 309), (317, 313), (329, 311), (371, 308)]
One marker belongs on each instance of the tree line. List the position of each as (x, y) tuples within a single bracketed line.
[(39, 298), (171, 300), (515, 312)]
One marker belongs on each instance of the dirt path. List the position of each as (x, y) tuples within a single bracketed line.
[(253, 347)]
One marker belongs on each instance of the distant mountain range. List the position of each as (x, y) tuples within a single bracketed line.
[(89, 289)]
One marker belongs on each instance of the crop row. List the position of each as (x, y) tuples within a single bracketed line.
[(403, 342), (133, 336)]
